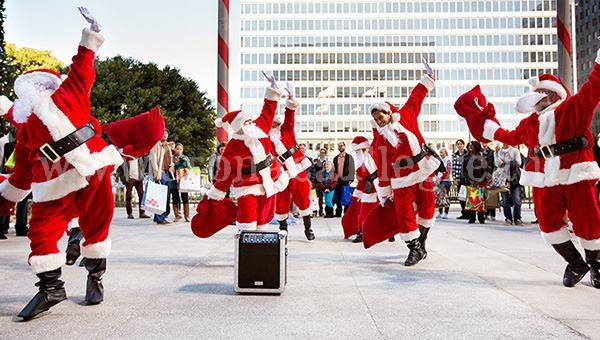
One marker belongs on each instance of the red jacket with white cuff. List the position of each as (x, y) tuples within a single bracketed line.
[(298, 162), (562, 121), (54, 117), (402, 139), (243, 151)]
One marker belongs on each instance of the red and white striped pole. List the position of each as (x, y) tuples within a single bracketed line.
[(223, 67), (565, 55)]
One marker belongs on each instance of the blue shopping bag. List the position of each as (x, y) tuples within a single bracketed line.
[(329, 198), (347, 192)]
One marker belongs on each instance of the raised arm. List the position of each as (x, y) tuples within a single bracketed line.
[(584, 102), (291, 105), (272, 96)]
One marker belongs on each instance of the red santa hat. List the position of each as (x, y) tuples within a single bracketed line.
[(360, 142), (549, 82), (381, 106), (235, 119)]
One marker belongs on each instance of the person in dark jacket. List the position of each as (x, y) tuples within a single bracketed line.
[(476, 172), (457, 166), (318, 178), (343, 166)]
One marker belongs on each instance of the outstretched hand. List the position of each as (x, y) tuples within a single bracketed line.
[(271, 80), (94, 24), (428, 68), (291, 91)]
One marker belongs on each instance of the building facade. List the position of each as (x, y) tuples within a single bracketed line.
[(344, 55), (588, 33)]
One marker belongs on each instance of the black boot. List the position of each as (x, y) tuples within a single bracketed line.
[(423, 238), (577, 268), (593, 259), (328, 212), (358, 238), (73, 249), (416, 253), (51, 292), (307, 228), (283, 225), (94, 293), (21, 230)]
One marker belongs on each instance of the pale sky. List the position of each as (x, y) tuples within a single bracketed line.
[(180, 33)]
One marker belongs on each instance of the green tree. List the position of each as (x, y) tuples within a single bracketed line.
[(3, 59), (25, 59), (125, 87)]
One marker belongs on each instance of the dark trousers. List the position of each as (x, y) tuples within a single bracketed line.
[(472, 214), (139, 188), (165, 180), (179, 197), (21, 213), (319, 190), (4, 224), (337, 198)]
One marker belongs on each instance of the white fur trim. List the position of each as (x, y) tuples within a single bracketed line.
[(305, 212), (239, 120), (396, 117), (59, 187), (12, 193), (216, 194), (46, 263), (489, 129), (413, 141), (281, 183), (5, 105), (590, 244), (291, 104), (369, 198), (292, 168), (385, 191), (99, 250), (305, 164), (578, 172), (262, 227), (273, 94), (428, 82), (281, 217), (598, 57), (255, 189), (410, 236), (363, 145), (548, 85), (219, 122), (246, 226), (426, 168), (381, 106), (427, 223), (357, 193), (556, 237), (91, 40), (73, 223)]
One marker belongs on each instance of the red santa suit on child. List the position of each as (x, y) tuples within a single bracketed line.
[(562, 170), (285, 149), (364, 197), (247, 166), (405, 169), (47, 110)]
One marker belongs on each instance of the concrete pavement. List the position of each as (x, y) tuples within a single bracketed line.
[(479, 282)]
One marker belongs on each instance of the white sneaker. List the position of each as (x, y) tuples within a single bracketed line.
[(439, 216), (445, 216)]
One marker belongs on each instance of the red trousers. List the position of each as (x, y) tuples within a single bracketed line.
[(95, 206), (298, 192), (580, 201), (415, 205), (255, 211)]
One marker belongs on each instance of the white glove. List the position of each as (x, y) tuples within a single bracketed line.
[(271, 80), (94, 24), (291, 91)]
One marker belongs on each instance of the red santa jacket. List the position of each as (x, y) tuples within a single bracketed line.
[(286, 139), (366, 190), (244, 151), (54, 117), (401, 139), (560, 122)]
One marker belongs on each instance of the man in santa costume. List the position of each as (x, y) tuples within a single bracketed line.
[(286, 150), (365, 194), (406, 167), (246, 165), (62, 158), (562, 170)]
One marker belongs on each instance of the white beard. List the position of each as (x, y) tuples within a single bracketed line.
[(389, 134), (526, 103), (275, 135), (253, 131), (364, 157), (29, 102)]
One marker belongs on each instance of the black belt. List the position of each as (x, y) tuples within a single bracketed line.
[(404, 162), (258, 166), (549, 151), (53, 152), (282, 158)]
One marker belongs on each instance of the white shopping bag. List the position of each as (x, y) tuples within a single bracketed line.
[(155, 197), (462, 193), (190, 181)]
